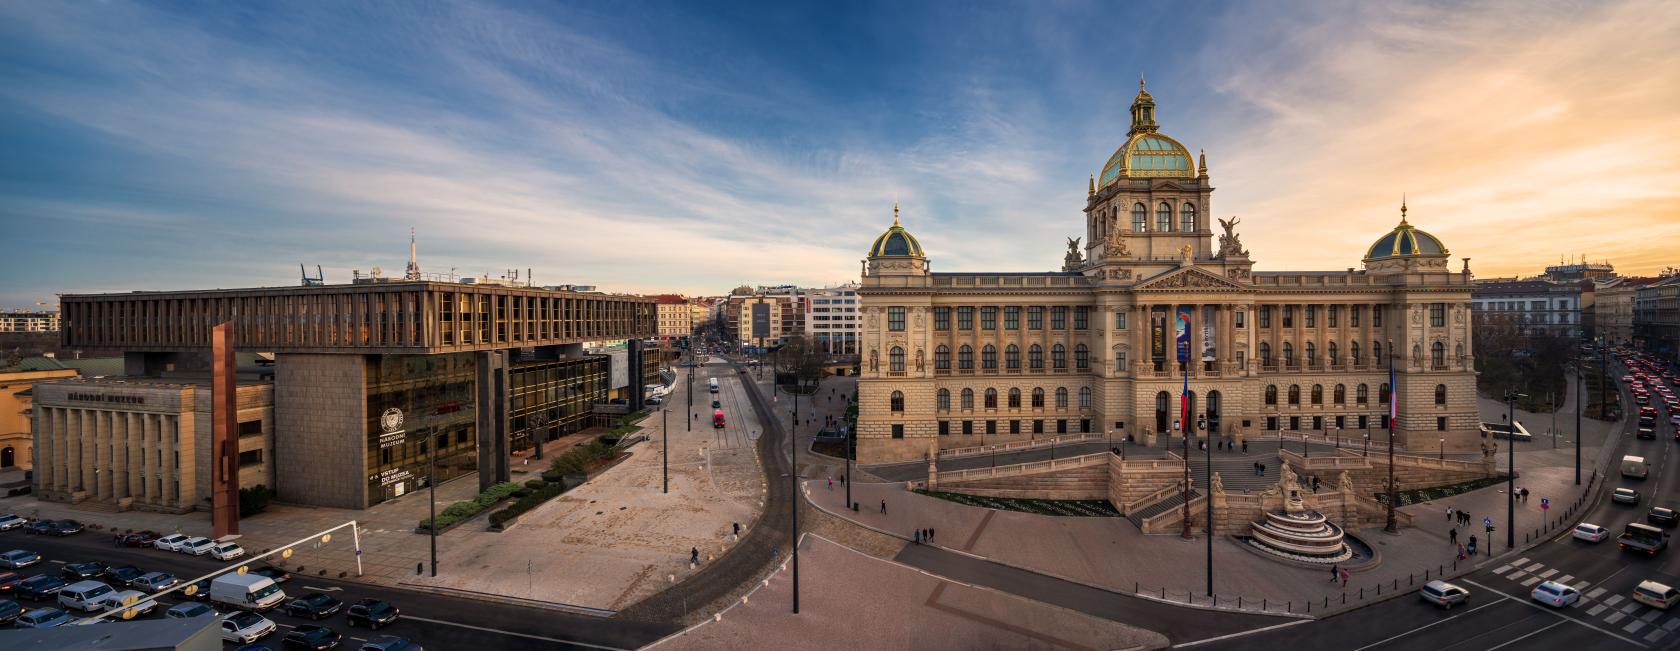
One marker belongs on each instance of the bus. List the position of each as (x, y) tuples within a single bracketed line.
[(717, 418)]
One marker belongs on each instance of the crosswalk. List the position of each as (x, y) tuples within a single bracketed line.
[(1615, 611)]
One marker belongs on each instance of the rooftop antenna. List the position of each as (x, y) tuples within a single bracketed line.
[(316, 281), (413, 272)]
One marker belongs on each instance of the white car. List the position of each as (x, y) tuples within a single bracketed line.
[(1554, 594), (9, 522), (245, 627), (197, 546), (142, 605), (169, 543), (227, 551), (1590, 532)]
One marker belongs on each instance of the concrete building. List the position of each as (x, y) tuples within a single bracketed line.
[(832, 322), (1535, 306), (29, 321), (369, 382), (1656, 316), (960, 359)]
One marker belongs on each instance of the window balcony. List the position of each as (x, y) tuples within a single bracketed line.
[(942, 371)]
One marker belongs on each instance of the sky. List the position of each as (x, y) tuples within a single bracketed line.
[(693, 147)]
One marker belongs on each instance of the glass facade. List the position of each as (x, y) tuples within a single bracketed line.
[(417, 404), (551, 399)]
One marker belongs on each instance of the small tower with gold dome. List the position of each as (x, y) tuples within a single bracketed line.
[(896, 254), (1406, 249)]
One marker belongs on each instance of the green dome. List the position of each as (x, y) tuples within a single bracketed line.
[(1405, 240), (896, 242), (1148, 154)]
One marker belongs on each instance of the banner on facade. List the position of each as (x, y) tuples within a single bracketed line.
[(1181, 332), (1209, 354), (1158, 338)]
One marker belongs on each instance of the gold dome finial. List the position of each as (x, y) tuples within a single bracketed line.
[(1201, 164), (1140, 82), (1402, 209), (895, 213)]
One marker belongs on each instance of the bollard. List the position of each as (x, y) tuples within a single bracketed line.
[(1239, 602), (1216, 601), (1361, 594), (1134, 587), (1344, 597), (1409, 578), (1191, 598), (1289, 607), (1262, 605), (1309, 605), (1326, 602), (1397, 583), (1163, 592), (1379, 589), (1426, 574)]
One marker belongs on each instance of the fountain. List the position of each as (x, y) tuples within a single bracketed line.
[(1298, 534)]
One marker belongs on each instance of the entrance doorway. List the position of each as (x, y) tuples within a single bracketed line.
[(8, 457), (1213, 412), (1163, 406)]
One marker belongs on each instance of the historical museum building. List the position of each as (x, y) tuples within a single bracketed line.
[(957, 359), (368, 384)]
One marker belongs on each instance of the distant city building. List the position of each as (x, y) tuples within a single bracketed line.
[(369, 381), (1656, 316), (29, 321), (17, 442), (675, 317), (831, 321), (766, 316), (1534, 307), (1613, 308), (1582, 270)]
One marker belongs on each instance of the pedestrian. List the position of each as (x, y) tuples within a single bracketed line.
[(917, 537), (1453, 536), (830, 483), (1262, 469), (694, 555), (842, 480), (1461, 552), (883, 507), (1335, 572), (930, 534), (1344, 577), (1450, 513), (737, 530)]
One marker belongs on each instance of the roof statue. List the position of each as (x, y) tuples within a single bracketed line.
[(1073, 259), (1229, 244)]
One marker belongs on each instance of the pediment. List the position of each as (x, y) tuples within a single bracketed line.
[(1189, 278)]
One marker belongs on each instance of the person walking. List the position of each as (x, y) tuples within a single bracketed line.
[(1450, 513), (883, 507), (1461, 552), (737, 530), (930, 533), (1453, 536), (694, 556), (1344, 577), (1245, 447), (917, 537), (1335, 572), (830, 483)]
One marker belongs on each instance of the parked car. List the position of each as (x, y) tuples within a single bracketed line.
[(1443, 594), (1590, 532), (43, 618), (1661, 516), (139, 539), (123, 575), (199, 590), (196, 546), (188, 610), (65, 528), (82, 571), (227, 551), (1624, 496), (314, 638), (170, 542), (18, 559), (371, 613), (38, 528), (274, 574), (314, 605), (143, 605), (245, 627), (85, 596), (154, 582), (1554, 594), (389, 643), (8, 581), (1655, 595), (40, 587), (10, 611), (9, 522)]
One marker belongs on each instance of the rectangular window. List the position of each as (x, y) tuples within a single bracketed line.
[(898, 431), (1376, 316), (1384, 423), (1035, 318), (1353, 316), (250, 458), (1081, 318), (944, 428), (1271, 423), (1330, 314), (1241, 319), (1014, 427), (1084, 426), (1061, 426), (1288, 316), (1038, 427), (1312, 316), (988, 318), (1265, 316), (1058, 317), (1241, 362), (1341, 422), (895, 318), (965, 318), (1295, 423), (941, 318), (1012, 318), (1437, 315), (991, 427), (1363, 423), (1318, 422), (968, 427), (1441, 423), (1119, 320), (250, 428)]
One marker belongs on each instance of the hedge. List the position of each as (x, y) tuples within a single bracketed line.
[(526, 503), (462, 510), (253, 500), (577, 460)]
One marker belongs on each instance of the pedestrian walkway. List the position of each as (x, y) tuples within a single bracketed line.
[(1616, 612)]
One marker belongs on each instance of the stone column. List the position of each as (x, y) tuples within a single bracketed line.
[(99, 440), (74, 441), (136, 457), (119, 455), (44, 459), (168, 494), (148, 457)]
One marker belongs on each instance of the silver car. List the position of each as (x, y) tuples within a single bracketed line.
[(1443, 594)]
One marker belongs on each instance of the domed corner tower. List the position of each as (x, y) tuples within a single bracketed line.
[(1406, 249), (896, 259)]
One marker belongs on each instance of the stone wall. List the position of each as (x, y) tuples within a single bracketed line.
[(1086, 483), (320, 414)]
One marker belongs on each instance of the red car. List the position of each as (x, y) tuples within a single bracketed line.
[(139, 539), (8, 581)]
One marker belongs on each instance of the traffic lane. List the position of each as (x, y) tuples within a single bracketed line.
[(451, 616)]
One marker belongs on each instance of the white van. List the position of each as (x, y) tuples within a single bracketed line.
[(713, 384), (246, 591), (85, 596), (1633, 466)]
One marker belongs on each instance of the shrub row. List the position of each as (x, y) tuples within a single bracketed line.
[(541, 492), (577, 461), (462, 510)]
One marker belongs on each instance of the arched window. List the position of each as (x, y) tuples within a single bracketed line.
[(1061, 397), (895, 360), (1163, 217), (1140, 218), (1012, 357), (944, 399), (1363, 394), (1312, 354), (968, 399), (942, 358), (991, 398), (965, 358), (1265, 354), (1038, 398), (1440, 394), (1288, 354), (988, 357), (1084, 397), (1382, 393), (898, 401), (1058, 356), (1014, 398), (1318, 394), (1330, 350), (1294, 394), (1271, 394), (1353, 351), (1438, 353), (1187, 219), (1376, 353), (1081, 357), (1341, 394), (1035, 356)]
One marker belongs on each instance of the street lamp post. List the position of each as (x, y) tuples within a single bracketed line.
[(1207, 453), (665, 447), (1511, 468), (1580, 379), (1443, 449), (431, 495), (1367, 445)]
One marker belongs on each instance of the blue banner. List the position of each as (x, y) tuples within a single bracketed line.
[(1181, 331)]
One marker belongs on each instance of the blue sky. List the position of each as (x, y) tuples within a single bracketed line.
[(689, 147)]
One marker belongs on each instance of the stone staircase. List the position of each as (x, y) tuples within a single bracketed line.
[(1236, 473), (1167, 503)]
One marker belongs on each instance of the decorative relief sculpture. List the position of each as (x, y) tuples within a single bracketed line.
[(1237, 274), (1217, 485), (918, 359), (1229, 243), (1187, 255), (1188, 280), (874, 361), (1115, 245), (1120, 274)]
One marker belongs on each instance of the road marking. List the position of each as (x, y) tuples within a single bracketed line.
[(1434, 623), (1650, 616), (1655, 634), (1548, 574), (1632, 606), (1531, 581), (526, 635), (1534, 568), (1634, 626), (1595, 610), (1596, 593), (1520, 561), (1555, 625), (1614, 599), (1240, 634), (1614, 617), (1516, 575), (1540, 608), (1671, 624), (1502, 569), (1567, 579), (318, 589)]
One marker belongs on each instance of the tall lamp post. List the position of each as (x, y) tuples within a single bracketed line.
[(1511, 468), (793, 480), (1207, 453)]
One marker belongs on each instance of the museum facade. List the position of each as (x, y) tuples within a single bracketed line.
[(958, 359)]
